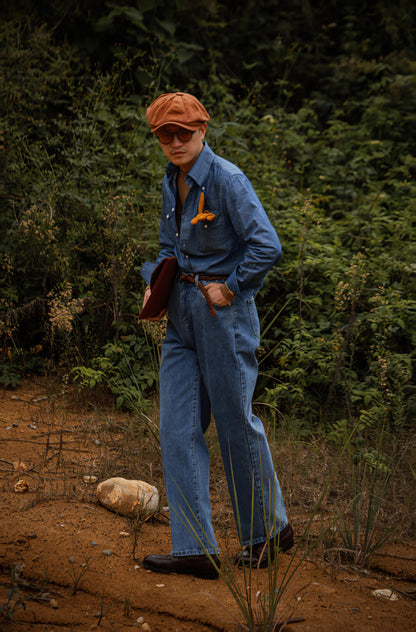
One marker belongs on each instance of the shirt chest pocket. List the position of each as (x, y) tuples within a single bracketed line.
[(213, 236)]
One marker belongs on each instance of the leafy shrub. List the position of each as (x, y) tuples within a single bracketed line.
[(125, 369), (79, 211), (333, 163)]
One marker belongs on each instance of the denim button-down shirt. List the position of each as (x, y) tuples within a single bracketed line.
[(239, 243)]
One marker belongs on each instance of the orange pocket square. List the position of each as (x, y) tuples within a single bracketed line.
[(202, 215)]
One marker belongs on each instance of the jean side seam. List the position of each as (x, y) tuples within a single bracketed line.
[(257, 477), (244, 400), (194, 466)]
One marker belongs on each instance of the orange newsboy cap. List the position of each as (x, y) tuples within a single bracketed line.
[(176, 108)]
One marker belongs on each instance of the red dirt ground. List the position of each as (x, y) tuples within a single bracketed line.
[(46, 536)]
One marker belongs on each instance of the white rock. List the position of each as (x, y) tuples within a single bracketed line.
[(89, 480), (128, 498), (385, 593), (21, 486)]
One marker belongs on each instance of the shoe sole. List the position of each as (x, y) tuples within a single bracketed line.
[(199, 574)]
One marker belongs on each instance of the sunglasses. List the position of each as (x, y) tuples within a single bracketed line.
[(184, 135)]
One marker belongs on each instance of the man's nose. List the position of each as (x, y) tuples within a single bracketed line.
[(176, 140)]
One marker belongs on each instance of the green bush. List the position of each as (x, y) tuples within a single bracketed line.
[(80, 201), (333, 163)]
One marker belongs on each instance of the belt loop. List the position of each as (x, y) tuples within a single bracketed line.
[(196, 277)]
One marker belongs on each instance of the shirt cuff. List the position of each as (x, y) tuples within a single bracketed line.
[(226, 292), (232, 284), (147, 270)]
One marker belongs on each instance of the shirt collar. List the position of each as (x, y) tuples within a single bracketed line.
[(200, 169)]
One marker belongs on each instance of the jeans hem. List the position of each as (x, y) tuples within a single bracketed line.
[(261, 539), (193, 552)]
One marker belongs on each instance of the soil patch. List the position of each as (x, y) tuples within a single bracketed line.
[(76, 566)]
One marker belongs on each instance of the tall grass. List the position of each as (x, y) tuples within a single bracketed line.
[(270, 608)]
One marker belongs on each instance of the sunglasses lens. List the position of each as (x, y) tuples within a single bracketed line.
[(165, 138), (184, 136)]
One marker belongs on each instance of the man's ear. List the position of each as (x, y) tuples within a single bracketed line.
[(203, 130)]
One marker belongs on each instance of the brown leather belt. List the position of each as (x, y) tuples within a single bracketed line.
[(202, 277), (190, 278)]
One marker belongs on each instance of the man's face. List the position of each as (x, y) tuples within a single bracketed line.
[(183, 154)]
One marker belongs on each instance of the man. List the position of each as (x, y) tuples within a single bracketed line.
[(215, 225)]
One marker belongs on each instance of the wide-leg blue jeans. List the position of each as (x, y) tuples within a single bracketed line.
[(210, 363)]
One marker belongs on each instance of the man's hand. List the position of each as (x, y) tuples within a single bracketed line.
[(147, 294), (216, 294)]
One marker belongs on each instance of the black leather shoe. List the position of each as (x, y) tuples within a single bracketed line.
[(196, 565), (259, 552)]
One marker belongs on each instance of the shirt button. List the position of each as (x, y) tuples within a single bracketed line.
[(205, 225), (186, 256), (177, 234), (173, 209), (167, 215), (203, 188)]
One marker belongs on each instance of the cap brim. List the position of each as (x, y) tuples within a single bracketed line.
[(191, 126)]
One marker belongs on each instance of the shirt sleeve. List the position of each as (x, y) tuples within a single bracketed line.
[(165, 242), (148, 267), (167, 250), (260, 244)]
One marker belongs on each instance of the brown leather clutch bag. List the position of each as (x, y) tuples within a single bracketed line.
[(161, 281)]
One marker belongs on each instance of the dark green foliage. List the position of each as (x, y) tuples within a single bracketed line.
[(315, 102), (73, 193), (125, 369)]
